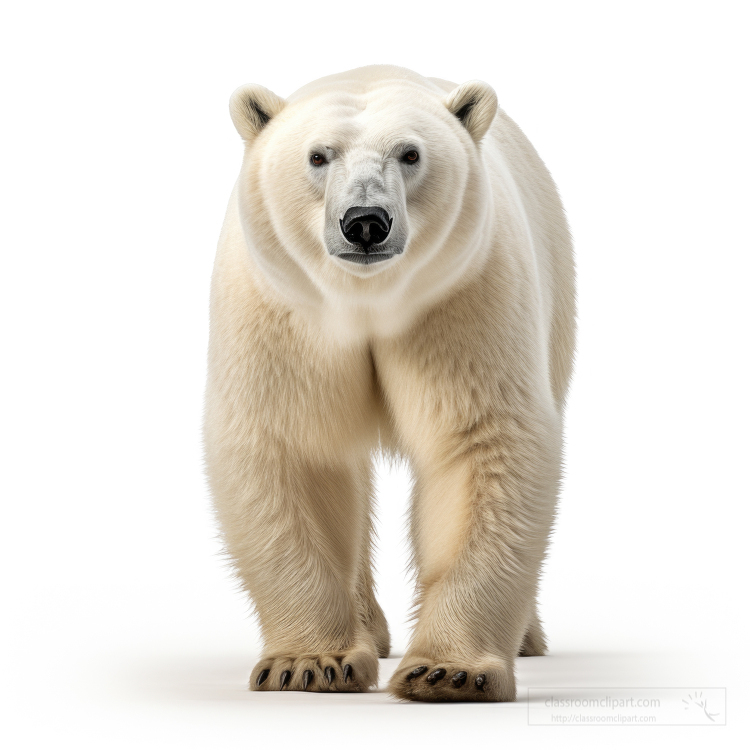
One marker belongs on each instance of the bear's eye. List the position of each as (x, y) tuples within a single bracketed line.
[(411, 157), (317, 160)]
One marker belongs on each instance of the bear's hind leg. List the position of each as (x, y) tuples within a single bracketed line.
[(534, 641), (371, 613)]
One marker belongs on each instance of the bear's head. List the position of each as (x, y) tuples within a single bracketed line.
[(364, 185)]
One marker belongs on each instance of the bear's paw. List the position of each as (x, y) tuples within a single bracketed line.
[(426, 680), (340, 672)]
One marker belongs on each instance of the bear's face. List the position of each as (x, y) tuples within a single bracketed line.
[(357, 185)]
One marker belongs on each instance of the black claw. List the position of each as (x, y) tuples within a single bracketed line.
[(263, 676), (479, 682), (459, 679), (435, 676), (330, 674), (306, 677), (347, 672), (285, 677), (416, 672)]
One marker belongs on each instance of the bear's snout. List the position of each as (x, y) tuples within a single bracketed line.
[(366, 226)]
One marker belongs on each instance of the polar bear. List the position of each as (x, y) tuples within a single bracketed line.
[(394, 274)]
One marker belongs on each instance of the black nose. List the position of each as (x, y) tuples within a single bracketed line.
[(366, 225)]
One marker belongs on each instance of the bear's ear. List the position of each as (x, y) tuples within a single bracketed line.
[(474, 103), (251, 108)]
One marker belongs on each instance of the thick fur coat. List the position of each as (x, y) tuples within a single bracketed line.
[(448, 344)]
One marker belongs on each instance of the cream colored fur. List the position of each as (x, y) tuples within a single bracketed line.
[(455, 355)]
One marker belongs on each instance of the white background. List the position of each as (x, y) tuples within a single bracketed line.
[(121, 627)]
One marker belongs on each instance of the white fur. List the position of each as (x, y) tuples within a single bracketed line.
[(454, 354)]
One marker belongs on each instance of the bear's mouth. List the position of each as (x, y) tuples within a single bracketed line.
[(365, 258)]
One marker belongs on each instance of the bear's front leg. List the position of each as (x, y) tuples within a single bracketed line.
[(289, 431), (483, 506), (295, 533)]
